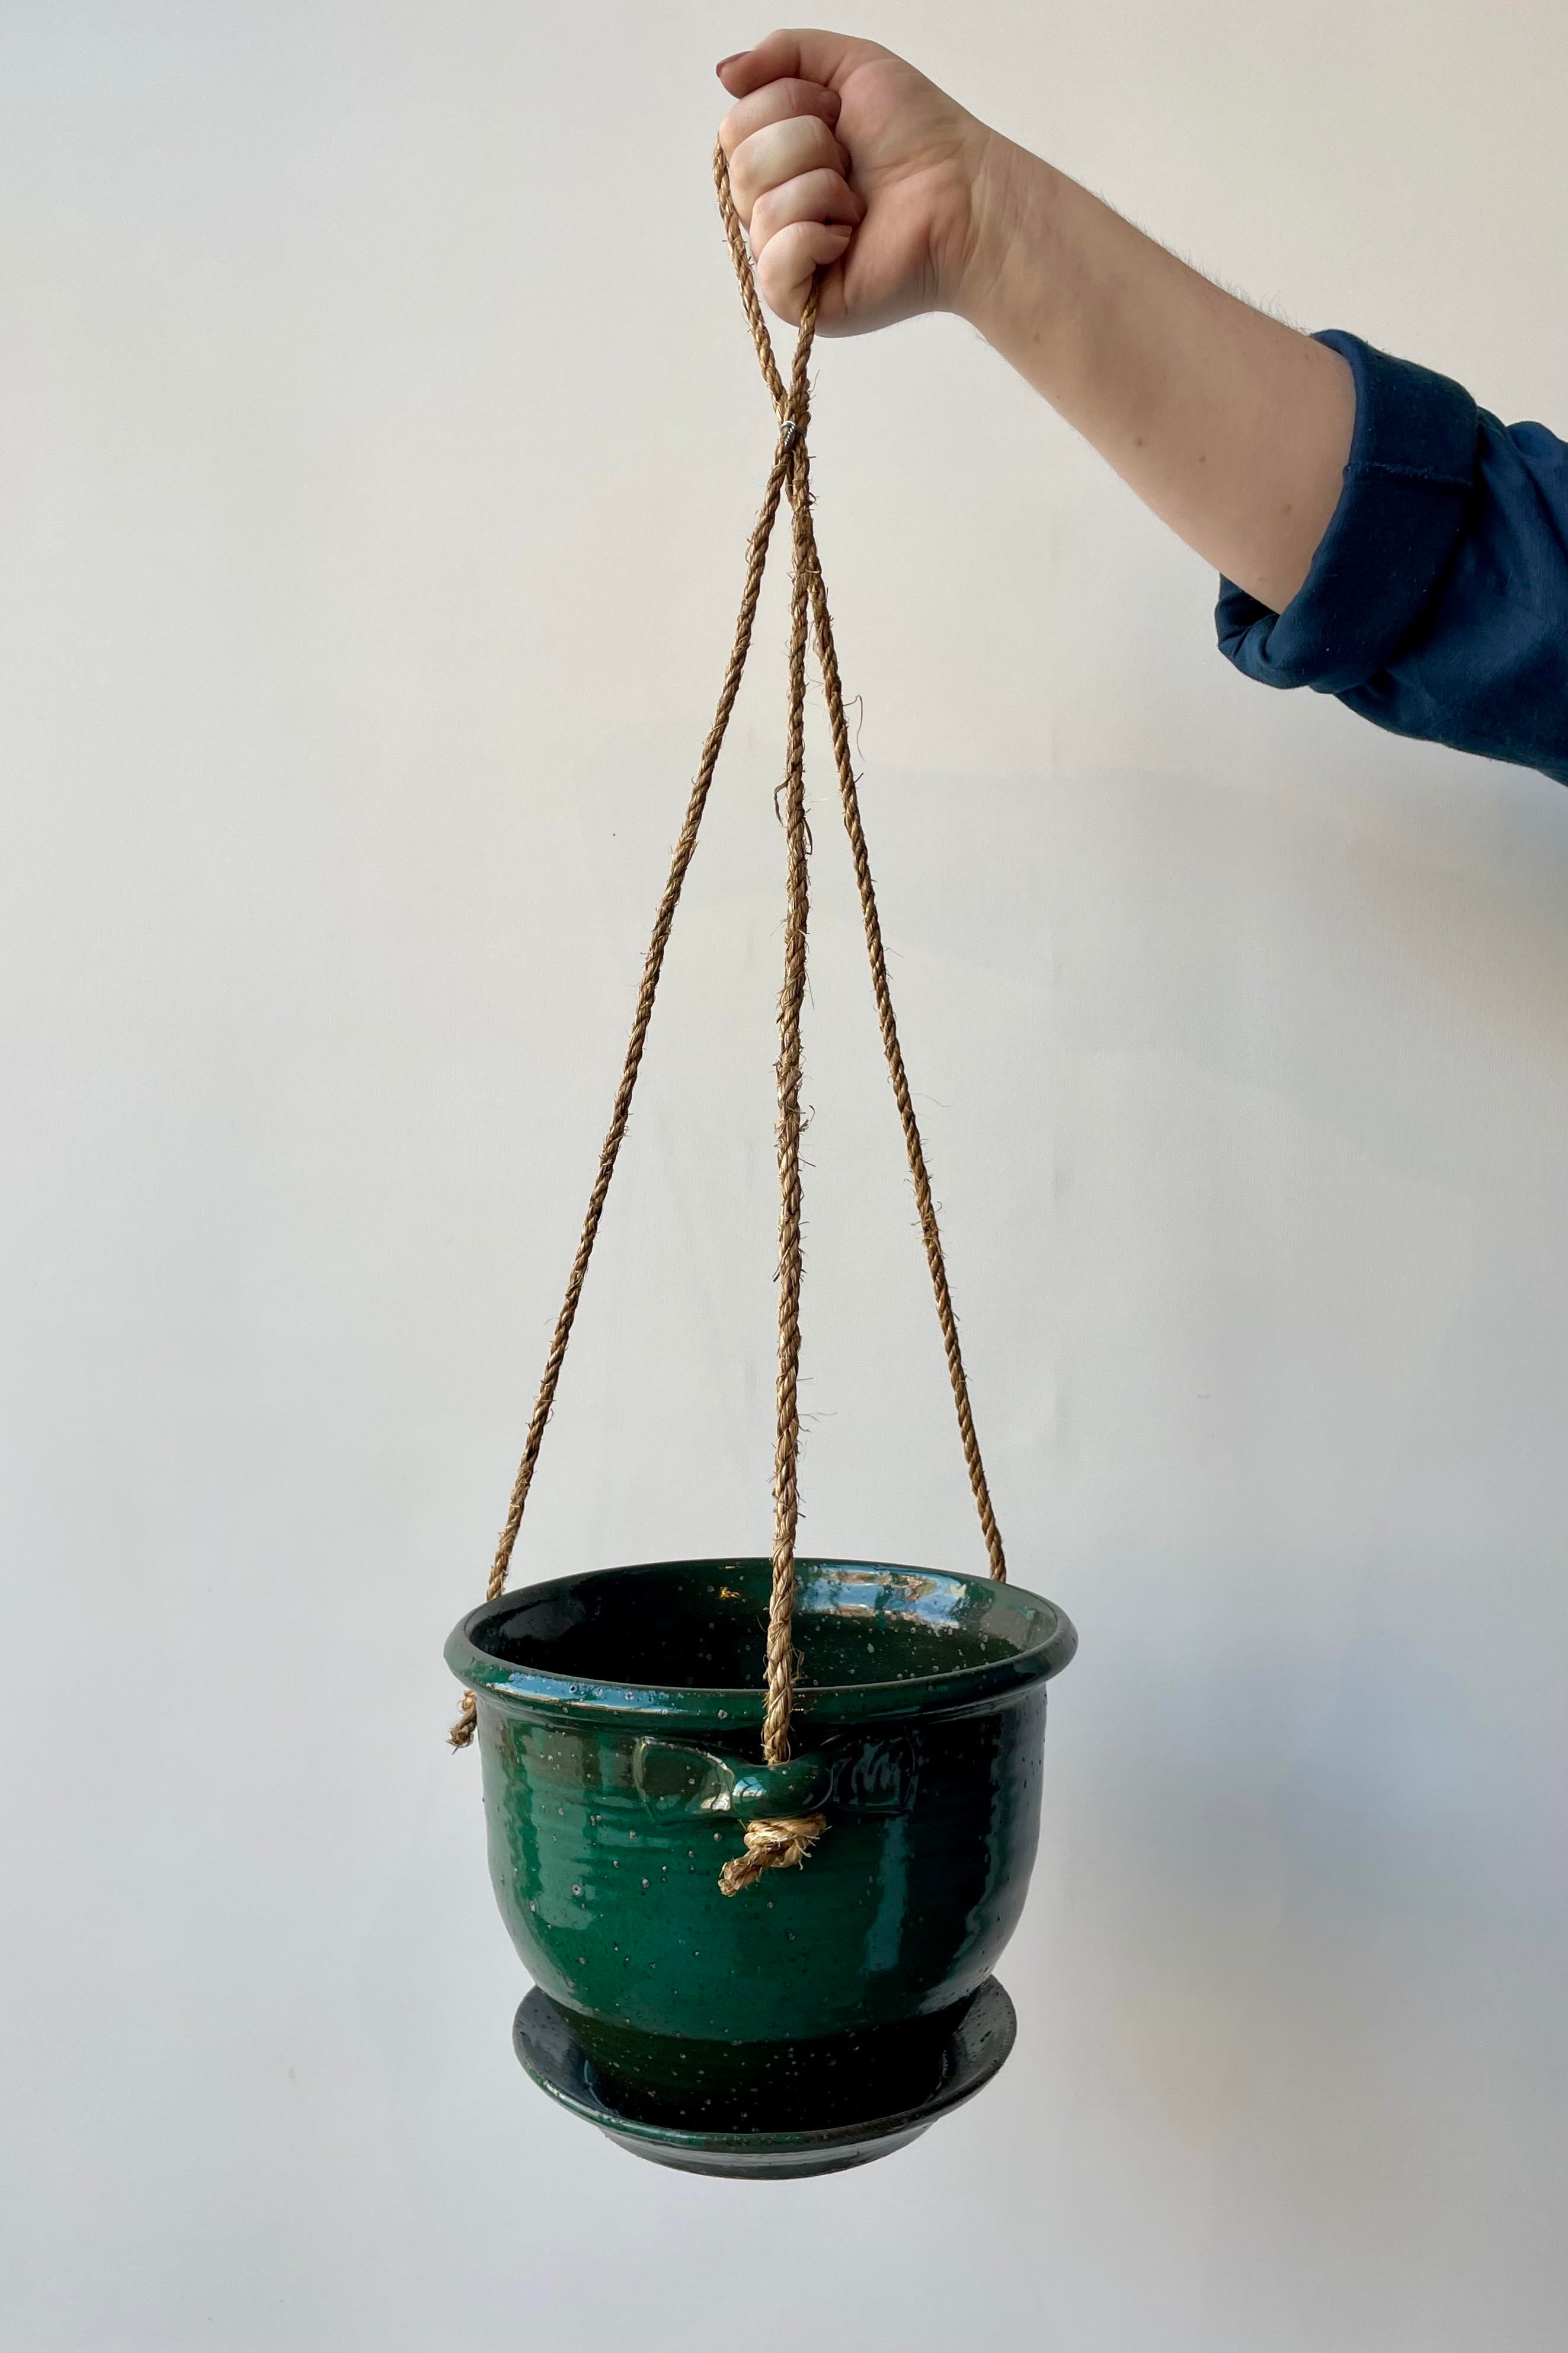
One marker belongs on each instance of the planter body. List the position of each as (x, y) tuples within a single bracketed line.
[(619, 1719)]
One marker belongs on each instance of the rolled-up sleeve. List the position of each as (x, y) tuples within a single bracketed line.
[(1437, 604)]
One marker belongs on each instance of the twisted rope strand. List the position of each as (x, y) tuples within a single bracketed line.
[(833, 692), (931, 1232), (782, 1843), (463, 1730), (786, 1451), (746, 280)]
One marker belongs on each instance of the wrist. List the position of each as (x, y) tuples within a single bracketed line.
[(1012, 204)]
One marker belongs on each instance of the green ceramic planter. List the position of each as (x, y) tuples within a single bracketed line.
[(619, 1719)]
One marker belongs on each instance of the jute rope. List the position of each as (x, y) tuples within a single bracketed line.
[(781, 1841), (653, 965), (775, 1845), (786, 1448), (798, 485)]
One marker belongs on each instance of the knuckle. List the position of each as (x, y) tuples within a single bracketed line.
[(743, 182), (780, 279), (760, 161), (766, 158)]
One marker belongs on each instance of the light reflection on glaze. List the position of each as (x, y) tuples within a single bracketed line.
[(609, 1888)]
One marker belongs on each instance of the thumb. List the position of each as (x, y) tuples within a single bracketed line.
[(826, 58)]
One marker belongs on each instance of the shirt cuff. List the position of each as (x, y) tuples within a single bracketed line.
[(1391, 538)]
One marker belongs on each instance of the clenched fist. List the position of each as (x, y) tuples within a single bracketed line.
[(843, 159)]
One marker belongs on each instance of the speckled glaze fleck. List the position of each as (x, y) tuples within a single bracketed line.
[(808, 2136), (619, 1720)]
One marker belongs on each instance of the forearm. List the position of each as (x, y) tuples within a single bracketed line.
[(1233, 428)]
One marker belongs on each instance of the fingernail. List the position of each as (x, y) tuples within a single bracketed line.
[(730, 61)]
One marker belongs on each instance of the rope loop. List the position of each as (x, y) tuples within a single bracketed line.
[(782, 1843)]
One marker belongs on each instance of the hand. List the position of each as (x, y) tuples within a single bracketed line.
[(843, 159)]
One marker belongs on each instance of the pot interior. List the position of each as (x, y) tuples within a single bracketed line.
[(699, 1626)]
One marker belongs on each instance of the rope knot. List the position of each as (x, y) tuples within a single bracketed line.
[(776, 1845)]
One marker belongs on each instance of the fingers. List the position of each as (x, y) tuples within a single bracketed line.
[(776, 103), (781, 151), (814, 196), (789, 261), (828, 58), (788, 172)]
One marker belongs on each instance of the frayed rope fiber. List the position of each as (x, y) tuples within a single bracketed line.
[(776, 1845)]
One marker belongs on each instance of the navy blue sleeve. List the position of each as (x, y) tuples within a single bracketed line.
[(1437, 604)]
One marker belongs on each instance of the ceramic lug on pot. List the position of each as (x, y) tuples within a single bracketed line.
[(620, 1725)]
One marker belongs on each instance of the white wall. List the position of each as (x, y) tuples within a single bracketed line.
[(380, 436)]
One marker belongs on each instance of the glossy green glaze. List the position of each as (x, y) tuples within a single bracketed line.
[(813, 2128), (619, 1728)]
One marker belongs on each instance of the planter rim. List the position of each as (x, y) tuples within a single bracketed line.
[(537, 1691)]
